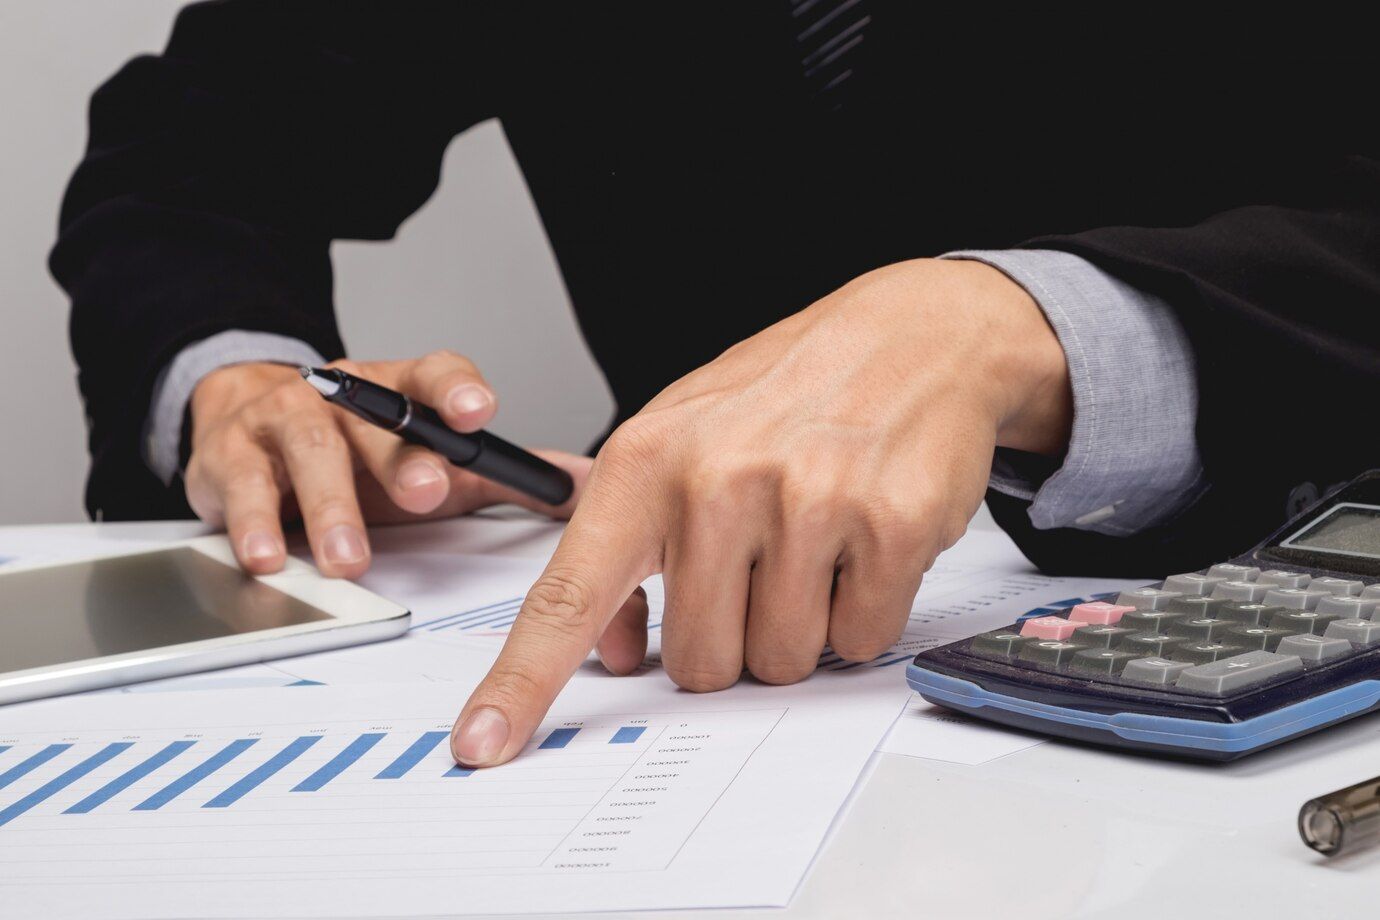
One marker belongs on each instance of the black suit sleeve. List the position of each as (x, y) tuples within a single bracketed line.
[(1281, 301), (216, 176)]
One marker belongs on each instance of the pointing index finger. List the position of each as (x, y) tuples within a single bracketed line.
[(601, 559)]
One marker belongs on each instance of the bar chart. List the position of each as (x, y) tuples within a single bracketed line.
[(360, 800)]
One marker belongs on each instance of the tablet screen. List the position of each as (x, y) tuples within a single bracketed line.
[(99, 607)]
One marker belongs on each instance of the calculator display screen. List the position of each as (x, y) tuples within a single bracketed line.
[(1347, 529)]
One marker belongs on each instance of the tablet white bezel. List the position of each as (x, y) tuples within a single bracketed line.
[(355, 616)]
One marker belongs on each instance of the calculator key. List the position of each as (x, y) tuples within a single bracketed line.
[(1314, 649), (1162, 672), (1357, 632), (1249, 592), (1295, 598), (1205, 652), (1101, 661), (1196, 607), (1150, 643), (1229, 675), (1350, 608), (1371, 592), (1303, 621), (1282, 579), (1265, 638), (1002, 643), (1146, 598), (1200, 629), (1342, 586), (1050, 652), (1247, 614), (1049, 627), (1099, 612), (1233, 572), (1193, 584), (1150, 620), (1102, 636)]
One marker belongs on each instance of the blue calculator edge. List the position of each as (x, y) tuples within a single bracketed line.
[(1176, 723)]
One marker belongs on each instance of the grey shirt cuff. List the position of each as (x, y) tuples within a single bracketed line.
[(1133, 459), (173, 389)]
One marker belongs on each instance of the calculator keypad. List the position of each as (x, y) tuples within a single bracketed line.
[(1234, 628)]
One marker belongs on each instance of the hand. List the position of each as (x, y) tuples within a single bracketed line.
[(793, 492), (266, 446)]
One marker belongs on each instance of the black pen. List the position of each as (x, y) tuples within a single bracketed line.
[(480, 452)]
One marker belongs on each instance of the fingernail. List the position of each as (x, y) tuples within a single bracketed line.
[(343, 545), (416, 475), (259, 546), (469, 398), (481, 738)]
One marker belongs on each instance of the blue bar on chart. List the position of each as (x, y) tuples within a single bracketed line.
[(458, 770), (128, 778), (467, 618), (412, 756), (56, 785), (4, 748), (24, 767), (558, 738), (353, 751), (256, 776), (627, 734), (196, 775)]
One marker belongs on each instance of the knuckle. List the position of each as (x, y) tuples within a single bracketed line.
[(778, 669), (513, 687), (635, 442), (311, 435), (353, 368), (701, 677), (249, 480), (859, 647), (559, 601)]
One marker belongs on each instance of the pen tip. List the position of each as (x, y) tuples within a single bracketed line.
[(306, 372)]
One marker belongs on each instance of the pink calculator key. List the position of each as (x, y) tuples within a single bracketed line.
[(1049, 627), (1100, 613)]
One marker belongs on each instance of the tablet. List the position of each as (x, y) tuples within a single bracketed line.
[(115, 619)]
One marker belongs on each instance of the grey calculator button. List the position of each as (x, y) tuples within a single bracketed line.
[(1193, 584), (1155, 621), (1234, 572), (1200, 629), (1249, 591), (1149, 643), (1102, 660), (1282, 579), (1050, 652), (1102, 636), (1204, 652), (1314, 649), (1343, 586), (1371, 591), (1002, 643), (1158, 671), (1147, 598), (1350, 608), (1229, 675), (1196, 607), (1265, 638), (1357, 632), (1295, 598), (1247, 614), (1303, 621)]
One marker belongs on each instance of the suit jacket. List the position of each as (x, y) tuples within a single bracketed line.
[(695, 185)]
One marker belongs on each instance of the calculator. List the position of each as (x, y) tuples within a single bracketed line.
[(1209, 665)]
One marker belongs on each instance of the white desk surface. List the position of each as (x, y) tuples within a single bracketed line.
[(1056, 830)]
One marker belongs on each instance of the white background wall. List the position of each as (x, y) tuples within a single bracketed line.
[(471, 271)]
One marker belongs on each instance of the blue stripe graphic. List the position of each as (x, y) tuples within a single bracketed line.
[(410, 757), (24, 767), (196, 775), (128, 778), (54, 786), (353, 751)]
